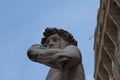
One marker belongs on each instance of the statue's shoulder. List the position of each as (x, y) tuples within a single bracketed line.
[(71, 47)]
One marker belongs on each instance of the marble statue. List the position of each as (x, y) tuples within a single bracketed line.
[(59, 51)]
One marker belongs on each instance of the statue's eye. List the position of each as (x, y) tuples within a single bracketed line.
[(56, 39)]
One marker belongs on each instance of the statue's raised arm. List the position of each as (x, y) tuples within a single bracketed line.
[(60, 52), (55, 57)]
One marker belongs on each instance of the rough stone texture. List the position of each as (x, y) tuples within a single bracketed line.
[(107, 40), (60, 52)]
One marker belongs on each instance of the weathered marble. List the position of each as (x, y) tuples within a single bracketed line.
[(60, 52)]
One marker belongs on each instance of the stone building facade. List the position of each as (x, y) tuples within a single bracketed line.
[(107, 41)]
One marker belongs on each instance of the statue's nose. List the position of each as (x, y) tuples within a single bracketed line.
[(50, 44)]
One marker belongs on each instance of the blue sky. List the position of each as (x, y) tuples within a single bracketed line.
[(22, 23)]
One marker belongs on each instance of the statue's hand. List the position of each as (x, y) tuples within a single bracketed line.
[(34, 51), (38, 46)]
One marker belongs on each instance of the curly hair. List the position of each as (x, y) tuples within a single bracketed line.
[(62, 33)]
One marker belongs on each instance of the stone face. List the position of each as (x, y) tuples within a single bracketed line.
[(60, 52), (106, 43)]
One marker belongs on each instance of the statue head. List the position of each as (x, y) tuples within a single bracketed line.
[(65, 35)]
